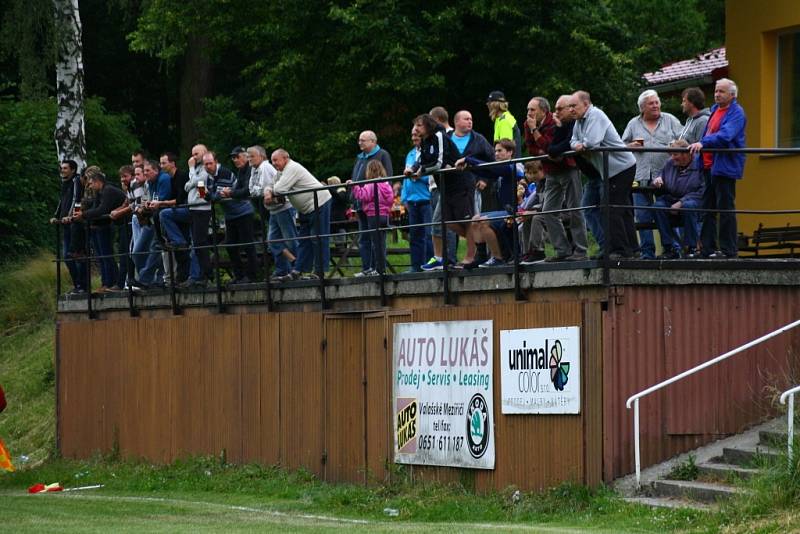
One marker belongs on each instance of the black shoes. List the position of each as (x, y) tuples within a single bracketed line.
[(672, 254)]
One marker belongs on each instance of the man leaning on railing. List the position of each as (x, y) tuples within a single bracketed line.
[(312, 219)]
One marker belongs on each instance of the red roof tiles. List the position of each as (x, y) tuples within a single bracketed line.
[(699, 66)]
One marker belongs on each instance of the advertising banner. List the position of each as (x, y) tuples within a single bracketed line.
[(443, 410), (540, 370)]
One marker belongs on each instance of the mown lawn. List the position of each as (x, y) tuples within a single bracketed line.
[(205, 494)]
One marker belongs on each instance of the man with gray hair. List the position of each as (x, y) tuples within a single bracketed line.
[(281, 214), (651, 128), (725, 129), (594, 130), (368, 144)]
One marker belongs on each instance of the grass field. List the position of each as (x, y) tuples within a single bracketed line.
[(205, 495)]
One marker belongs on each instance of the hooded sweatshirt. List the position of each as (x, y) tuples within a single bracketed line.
[(695, 126)]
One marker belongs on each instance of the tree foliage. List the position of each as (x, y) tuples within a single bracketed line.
[(313, 74), (29, 167)]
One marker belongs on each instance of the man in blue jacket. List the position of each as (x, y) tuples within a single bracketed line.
[(725, 129)]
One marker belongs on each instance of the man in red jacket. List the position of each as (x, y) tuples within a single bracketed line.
[(562, 177)]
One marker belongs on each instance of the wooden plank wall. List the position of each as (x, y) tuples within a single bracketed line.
[(303, 390)]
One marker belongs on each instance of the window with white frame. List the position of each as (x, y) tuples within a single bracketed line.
[(789, 90)]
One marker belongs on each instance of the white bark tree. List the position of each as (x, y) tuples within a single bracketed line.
[(70, 135)]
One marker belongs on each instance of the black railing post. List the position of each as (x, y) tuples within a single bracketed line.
[(131, 269), (214, 230), (176, 310), (377, 235), (58, 260), (88, 251), (265, 264), (319, 255), (515, 232), (606, 220), (445, 258)]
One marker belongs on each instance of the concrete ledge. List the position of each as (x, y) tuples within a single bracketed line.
[(778, 272)]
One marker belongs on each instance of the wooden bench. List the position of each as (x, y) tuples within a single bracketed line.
[(779, 238)]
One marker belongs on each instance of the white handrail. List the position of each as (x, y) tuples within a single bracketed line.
[(790, 418), (635, 398)]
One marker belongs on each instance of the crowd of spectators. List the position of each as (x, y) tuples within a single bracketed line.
[(153, 226)]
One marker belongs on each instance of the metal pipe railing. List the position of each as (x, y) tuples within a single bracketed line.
[(605, 206), (634, 399), (790, 420)]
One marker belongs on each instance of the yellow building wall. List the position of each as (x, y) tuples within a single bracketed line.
[(770, 182)]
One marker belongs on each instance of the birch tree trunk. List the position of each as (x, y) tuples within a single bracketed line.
[(69, 133)]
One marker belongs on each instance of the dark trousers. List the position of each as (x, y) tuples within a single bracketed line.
[(720, 194), (419, 238), (378, 242), (101, 243), (240, 230), (200, 221), (77, 269), (622, 231)]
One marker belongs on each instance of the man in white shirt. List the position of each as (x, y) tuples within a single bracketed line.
[(312, 219)]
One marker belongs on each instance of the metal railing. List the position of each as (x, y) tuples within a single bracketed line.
[(634, 399), (604, 206), (790, 420)]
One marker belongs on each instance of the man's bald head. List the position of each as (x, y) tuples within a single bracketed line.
[(198, 151), (367, 141), (280, 158), (463, 122)]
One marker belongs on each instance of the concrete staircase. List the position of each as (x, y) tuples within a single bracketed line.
[(720, 466)]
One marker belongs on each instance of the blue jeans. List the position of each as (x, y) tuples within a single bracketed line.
[(171, 219), (147, 255), (77, 269), (419, 212), (101, 242), (307, 253), (364, 242), (647, 245), (720, 194), (593, 195), (281, 226), (670, 240)]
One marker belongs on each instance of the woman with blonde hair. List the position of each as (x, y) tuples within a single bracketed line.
[(505, 125)]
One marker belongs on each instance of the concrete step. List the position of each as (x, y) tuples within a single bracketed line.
[(772, 438), (705, 492), (746, 456), (667, 502), (723, 471)]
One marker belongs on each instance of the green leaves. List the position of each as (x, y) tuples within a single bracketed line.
[(29, 182), (314, 74)]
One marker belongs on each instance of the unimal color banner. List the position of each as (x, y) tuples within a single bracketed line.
[(443, 413), (540, 370)]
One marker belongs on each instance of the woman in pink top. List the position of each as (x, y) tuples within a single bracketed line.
[(366, 194)]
